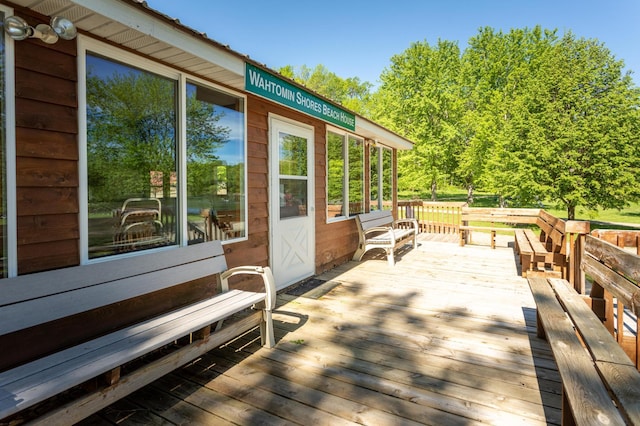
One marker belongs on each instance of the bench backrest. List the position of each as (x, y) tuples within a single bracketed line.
[(501, 215), (366, 221), (620, 238), (552, 232), (48, 311), (617, 272)]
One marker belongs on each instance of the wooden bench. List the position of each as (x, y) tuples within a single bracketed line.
[(601, 384), (60, 334), (548, 253), (544, 254), (378, 230), (629, 239), (473, 217)]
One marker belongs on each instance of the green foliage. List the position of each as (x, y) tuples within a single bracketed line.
[(420, 99), (350, 92), (526, 115)]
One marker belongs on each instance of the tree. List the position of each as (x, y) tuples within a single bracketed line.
[(496, 69), (582, 117), (419, 98), (352, 93)]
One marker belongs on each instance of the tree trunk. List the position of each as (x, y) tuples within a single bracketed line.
[(502, 202), (470, 194), (434, 187), (571, 212)]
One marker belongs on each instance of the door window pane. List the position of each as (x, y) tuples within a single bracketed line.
[(293, 155), (293, 197), (131, 158), (293, 175)]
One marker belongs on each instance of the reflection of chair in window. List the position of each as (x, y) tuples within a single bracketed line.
[(196, 234), (139, 224), (223, 224)]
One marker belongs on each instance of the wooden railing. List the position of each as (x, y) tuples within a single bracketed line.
[(622, 238), (434, 217)]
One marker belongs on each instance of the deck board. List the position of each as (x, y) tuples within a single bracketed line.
[(447, 336)]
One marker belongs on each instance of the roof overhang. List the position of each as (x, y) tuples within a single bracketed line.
[(377, 133), (135, 26)]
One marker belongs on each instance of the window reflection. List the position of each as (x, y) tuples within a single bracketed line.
[(335, 175), (356, 176), (215, 165), (293, 175), (131, 158), (374, 178), (387, 181)]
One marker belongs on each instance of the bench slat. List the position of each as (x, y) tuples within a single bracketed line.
[(623, 380), (536, 244), (42, 364), (38, 311), (522, 244), (582, 385), (598, 340), (42, 284), (78, 364)]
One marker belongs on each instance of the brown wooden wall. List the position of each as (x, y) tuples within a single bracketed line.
[(335, 242), (48, 175), (46, 154)]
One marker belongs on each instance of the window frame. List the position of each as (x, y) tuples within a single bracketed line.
[(10, 152), (345, 136), (87, 45)]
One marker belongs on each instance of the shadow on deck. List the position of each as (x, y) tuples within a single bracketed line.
[(447, 336)]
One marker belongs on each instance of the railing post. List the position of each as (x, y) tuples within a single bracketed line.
[(577, 232)]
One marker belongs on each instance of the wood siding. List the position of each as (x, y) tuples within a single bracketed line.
[(46, 154), (48, 173), (335, 242)]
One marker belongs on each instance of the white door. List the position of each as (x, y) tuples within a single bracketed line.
[(292, 208)]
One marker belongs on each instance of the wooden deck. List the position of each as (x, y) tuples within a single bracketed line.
[(446, 337)]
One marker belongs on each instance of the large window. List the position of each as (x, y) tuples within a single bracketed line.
[(345, 175), (150, 183), (381, 173), (215, 163), (387, 179)]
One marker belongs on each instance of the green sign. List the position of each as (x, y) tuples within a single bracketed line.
[(271, 87)]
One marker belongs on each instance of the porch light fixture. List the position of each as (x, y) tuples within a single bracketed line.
[(19, 29)]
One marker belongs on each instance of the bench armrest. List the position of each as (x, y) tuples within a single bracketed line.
[(267, 278)]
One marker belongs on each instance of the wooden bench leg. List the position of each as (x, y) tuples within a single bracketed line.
[(540, 327), (526, 263), (357, 256), (390, 258), (493, 239)]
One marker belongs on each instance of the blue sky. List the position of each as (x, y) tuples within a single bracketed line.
[(357, 38)]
